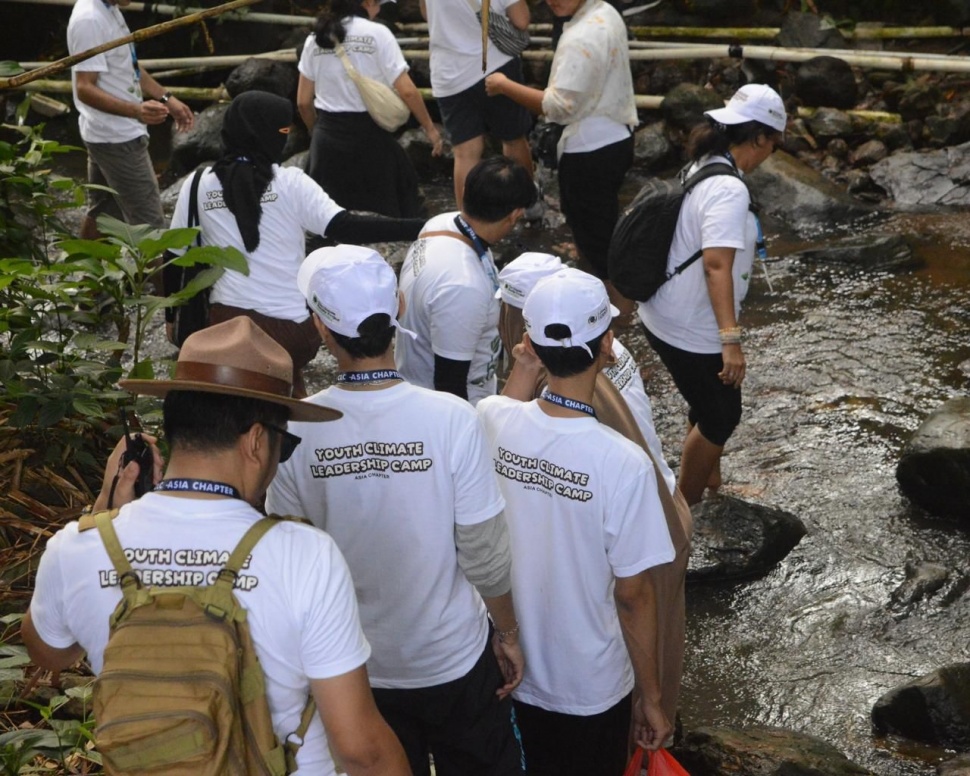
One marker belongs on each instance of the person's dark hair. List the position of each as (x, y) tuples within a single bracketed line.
[(713, 138), (201, 421), (495, 187), (376, 333), (566, 362), (329, 23)]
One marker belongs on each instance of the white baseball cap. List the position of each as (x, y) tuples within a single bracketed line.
[(520, 275), (753, 102), (574, 299), (346, 284)]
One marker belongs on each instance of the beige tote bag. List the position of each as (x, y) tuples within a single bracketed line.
[(382, 102)]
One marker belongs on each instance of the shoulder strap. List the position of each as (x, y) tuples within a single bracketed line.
[(689, 182), (112, 545), (453, 235), (193, 219), (229, 572)]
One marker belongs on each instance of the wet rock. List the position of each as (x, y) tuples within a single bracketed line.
[(921, 178), (838, 148), (869, 252), (826, 82), (720, 9), (826, 123), (868, 153), (915, 99), (199, 144), (951, 127), (958, 766), (665, 76), (806, 30), (265, 75), (894, 136), (684, 106), (934, 709), (934, 469), (418, 148), (761, 751), (734, 539), (859, 182), (922, 581), (652, 148), (800, 196)]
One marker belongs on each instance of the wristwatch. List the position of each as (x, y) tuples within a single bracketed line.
[(165, 97)]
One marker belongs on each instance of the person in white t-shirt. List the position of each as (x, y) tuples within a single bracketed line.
[(404, 485), (109, 91), (357, 162), (225, 410), (449, 282), (692, 320), (590, 91), (623, 386), (586, 528), (458, 84), (248, 201)]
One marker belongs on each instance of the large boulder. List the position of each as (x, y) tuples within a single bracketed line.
[(761, 751), (652, 149), (826, 82), (201, 143), (934, 468), (934, 709), (926, 178), (868, 251), (801, 197), (808, 30), (264, 75), (684, 105), (958, 766), (734, 539)]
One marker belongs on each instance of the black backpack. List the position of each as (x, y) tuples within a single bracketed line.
[(637, 258)]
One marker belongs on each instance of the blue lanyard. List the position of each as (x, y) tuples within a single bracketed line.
[(465, 228), (199, 486), (377, 375), (569, 404)]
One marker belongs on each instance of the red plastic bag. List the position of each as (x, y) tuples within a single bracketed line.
[(635, 766), (662, 763)]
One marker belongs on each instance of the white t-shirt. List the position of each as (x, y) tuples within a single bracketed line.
[(582, 508), (389, 481), (590, 86), (293, 202), (93, 23), (372, 50), (450, 304), (715, 214), (296, 589), (456, 45), (625, 375)]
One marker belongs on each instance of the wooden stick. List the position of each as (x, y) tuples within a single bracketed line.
[(139, 35), (174, 10), (200, 93)]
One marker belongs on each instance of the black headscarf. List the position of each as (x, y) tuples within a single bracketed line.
[(251, 144)]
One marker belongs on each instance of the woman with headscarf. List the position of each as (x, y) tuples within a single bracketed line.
[(692, 320), (249, 202), (360, 164)]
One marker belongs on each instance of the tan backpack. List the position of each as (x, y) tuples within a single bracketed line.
[(182, 692)]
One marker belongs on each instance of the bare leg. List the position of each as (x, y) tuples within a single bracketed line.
[(698, 461), (467, 155), (520, 151)]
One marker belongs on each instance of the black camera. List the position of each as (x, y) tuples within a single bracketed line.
[(138, 450)]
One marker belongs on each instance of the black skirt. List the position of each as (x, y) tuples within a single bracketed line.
[(362, 167)]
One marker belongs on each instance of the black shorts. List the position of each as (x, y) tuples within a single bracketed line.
[(559, 744), (463, 724), (472, 113), (715, 408)]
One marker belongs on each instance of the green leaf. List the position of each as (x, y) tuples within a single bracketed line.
[(170, 239), (88, 407), (230, 258), (8, 68), (143, 370), (51, 413), (129, 234), (96, 248)]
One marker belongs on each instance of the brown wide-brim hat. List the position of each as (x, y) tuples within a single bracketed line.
[(235, 358)]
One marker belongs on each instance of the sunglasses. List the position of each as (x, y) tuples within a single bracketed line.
[(288, 441)]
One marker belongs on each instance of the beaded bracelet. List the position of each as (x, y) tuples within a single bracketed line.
[(503, 635), (730, 336)]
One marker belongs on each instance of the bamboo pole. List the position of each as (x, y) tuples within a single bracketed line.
[(137, 35), (202, 94), (867, 115), (174, 10)]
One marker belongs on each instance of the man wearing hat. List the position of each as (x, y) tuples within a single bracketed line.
[(225, 413), (586, 527), (404, 485)]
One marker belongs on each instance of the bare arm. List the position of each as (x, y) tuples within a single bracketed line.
[(636, 606), (357, 733), (305, 91), (42, 654), (518, 14), (124, 488), (405, 87), (718, 266), (505, 642), (180, 112), (88, 92), (526, 370), (526, 96), (424, 9)]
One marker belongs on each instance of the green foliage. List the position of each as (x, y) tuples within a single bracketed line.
[(74, 312)]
